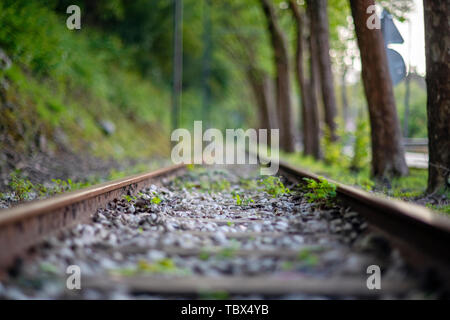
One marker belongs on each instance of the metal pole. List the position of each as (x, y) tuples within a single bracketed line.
[(177, 62), (206, 61)]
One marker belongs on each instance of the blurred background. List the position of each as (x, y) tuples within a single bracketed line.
[(86, 104)]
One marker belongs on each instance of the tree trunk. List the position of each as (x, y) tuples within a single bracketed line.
[(310, 121), (312, 86), (261, 89), (284, 106), (344, 97), (319, 29), (388, 157), (437, 48)]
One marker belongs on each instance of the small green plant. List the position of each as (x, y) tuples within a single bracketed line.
[(307, 257), (48, 267), (214, 295), (61, 186), (20, 186), (220, 185), (156, 200), (248, 183), (287, 265), (365, 183), (227, 253), (204, 255), (320, 190), (273, 186), (242, 200), (129, 198), (164, 266), (441, 208)]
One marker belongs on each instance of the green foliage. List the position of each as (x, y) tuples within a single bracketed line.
[(361, 147), (242, 200), (273, 186), (287, 265), (248, 183), (220, 185), (49, 268), (20, 185), (332, 149), (68, 80), (309, 258), (156, 200), (204, 255), (23, 188), (162, 266), (320, 190), (61, 186), (445, 208), (214, 295), (411, 186), (129, 198), (227, 253), (417, 119)]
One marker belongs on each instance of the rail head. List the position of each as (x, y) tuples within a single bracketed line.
[(24, 226), (38, 207), (384, 204)]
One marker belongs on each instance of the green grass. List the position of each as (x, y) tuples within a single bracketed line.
[(23, 189), (62, 83), (405, 188)]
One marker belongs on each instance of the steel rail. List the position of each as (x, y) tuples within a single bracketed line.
[(24, 226), (422, 235)]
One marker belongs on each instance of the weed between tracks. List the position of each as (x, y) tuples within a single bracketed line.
[(410, 188), (162, 266)]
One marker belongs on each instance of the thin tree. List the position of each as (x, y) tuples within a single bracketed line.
[(283, 83), (388, 157), (437, 48), (320, 31), (239, 47), (310, 119)]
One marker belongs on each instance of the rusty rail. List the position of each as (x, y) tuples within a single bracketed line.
[(23, 226), (422, 235)]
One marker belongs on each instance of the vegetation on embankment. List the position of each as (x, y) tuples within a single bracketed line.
[(79, 90)]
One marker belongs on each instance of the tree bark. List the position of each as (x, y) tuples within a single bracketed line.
[(320, 31), (284, 105), (388, 157), (310, 121), (344, 97), (313, 85), (261, 88), (437, 48)]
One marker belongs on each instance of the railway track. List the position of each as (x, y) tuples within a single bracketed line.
[(220, 232)]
